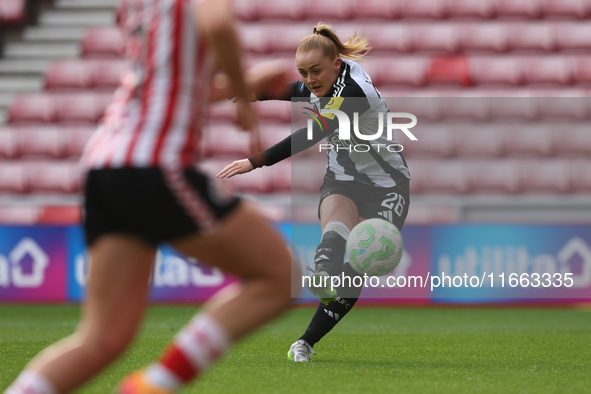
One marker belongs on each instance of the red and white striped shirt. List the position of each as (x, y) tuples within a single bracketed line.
[(155, 116)]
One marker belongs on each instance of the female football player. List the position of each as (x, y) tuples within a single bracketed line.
[(358, 185), (142, 189)]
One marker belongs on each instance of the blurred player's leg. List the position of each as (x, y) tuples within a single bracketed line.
[(119, 272), (247, 246)]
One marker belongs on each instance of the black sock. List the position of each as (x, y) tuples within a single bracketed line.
[(330, 253), (327, 316)]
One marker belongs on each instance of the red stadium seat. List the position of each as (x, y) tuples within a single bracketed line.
[(509, 109), (285, 38), (529, 140), (225, 139), (530, 37), (434, 38), (327, 10), (281, 176), (424, 108), (65, 214), (32, 109), (568, 108), (53, 176), (573, 37), (223, 111), (8, 142), (434, 141), (44, 142), (13, 12), (547, 70), (272, 133), (81, 108), (492, 176), (481, 9), (460, 109), (449, 70), (420, 9), (285, 10), (246, 10), (69, 75), (376, 9), (438, 177), (483, 38), (566, 8), (102, 42), (580, 171), (523, 9), (479, 141), (495, 71), (307, 174), (544, 177), (389, 37), (107, 74), (256, 38), (275, 111), (411, 71), (573, 140), (19, 215), (76, 139), (582, 70), (12, 177)]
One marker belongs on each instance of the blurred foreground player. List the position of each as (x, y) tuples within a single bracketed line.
[(357, 185), (141, 189)]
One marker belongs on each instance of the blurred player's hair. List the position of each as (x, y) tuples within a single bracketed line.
[(325, 38)]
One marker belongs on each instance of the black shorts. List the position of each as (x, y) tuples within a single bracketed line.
[(153, 204), (372, 202)]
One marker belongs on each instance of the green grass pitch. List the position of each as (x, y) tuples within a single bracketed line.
[(374, 350)]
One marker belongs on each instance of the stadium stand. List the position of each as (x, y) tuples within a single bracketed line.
[(442, 60)]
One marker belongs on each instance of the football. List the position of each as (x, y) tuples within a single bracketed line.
[(374, 247)]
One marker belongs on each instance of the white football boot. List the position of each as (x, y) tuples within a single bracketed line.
[(300, 352)]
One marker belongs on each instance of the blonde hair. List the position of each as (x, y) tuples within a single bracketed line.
[(325, 38)]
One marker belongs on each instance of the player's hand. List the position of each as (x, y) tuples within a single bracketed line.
[(238, 167)]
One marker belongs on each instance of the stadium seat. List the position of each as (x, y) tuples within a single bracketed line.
[(528, 140), (434, 141), (64, 75), (328, 10), (8, 142), (107, 74), (478, 9), (547, 70), (284, 10), (462, 109), (223, 111), (376, 9), (580, 171), (422, 9), (389, 38), (492, 176), (424, 108), (12, 177), (573, 37), (483, 38), (438, 176), (566, 8), (434, 38), (274, 111), (280, 176), (573, 140), (13, 12), (19, 215), (449, 70), (61, 214), (256, 38), (411, 71), (53, 176), (77, 138), (102, 42), (522, 9), (225, 139), (43, 142), (488, 70), (285, 38), (544, 176), (530, 37), (246, 10), (510, 109), (568, 108), (307, 175), (272, 133), (32, 109), (83, 108), (479, 140), (582, 70)]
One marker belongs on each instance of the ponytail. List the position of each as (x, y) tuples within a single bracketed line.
[(325, 38)]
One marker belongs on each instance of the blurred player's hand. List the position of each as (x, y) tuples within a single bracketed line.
[(238, 167)]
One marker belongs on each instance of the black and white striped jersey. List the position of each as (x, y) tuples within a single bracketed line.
[(373, 164)]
